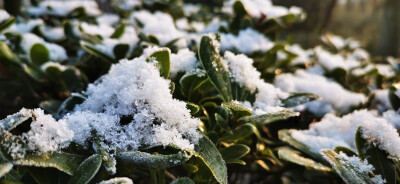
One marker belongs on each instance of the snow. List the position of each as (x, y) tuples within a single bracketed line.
[(53, 64), (360, 167), (26, 26), (53, 33), (47, 134), (108, 19), (384, 136), (134, 88), (381, 97), (63, 8), (118, 180), (185, 60), (303, 56), (57, 53), (330, 92), (332, 61), (260, 8), (383, 69), (4, 15), (161, 25), (128, 4), (103, 30), (190, 9), (248, 41), (268, 97)]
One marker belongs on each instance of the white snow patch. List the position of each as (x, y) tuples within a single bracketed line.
[(248, 41)]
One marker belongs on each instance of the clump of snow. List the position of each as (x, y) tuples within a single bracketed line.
[(384, 136), (332, 61), (242, 71), (330, 92), (57, 53), (108, 19), (381, 98), (360, 167), (340, 43), (53, 33), (63, 8), (190, 9), (161, 25), (247, 41), (53, 64), (383, 69), (393, 118), (47, 134), (129, 37), (121, 180), (4, 15), (303, 56), (103, 30), (134, 90), (185, 60), (128, 4), (261, 8), (26, 26)]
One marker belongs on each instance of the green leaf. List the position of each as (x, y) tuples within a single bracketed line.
[(70, 103), (183, 180), (237, 109), (65, 162), (266, 119), (345, 150), (236, 161), (212, 63), (393, 98), (235, 151), (39, 54), (7, 54), (163, 61), (239, 132), (294, 156), (192, 107), (153, 161), (376, 157), (296, 99), (5, 167), (121, 180), (285, 136), (6, 23), (119, 31), (211, 157), (14, 120), (87, 170), (108, 161), (92, 50), (120, 51), (221, 122), (346, 170)]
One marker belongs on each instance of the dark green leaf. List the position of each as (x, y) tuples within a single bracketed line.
[(294, 156), (239, 132), (192, 107), (346, 170), (183, 180), (296, 99), (212, 63), (209, 154), (119, 31), (7, 54), (393, 98), (120, 51), (65, 162), (285, 136), (6, 23), (39, 54), (236, 161), (266, 119), (163, 61), (87, 170), (376, 157), (235, 151), (153, 161), (221, 122), (237, 109)]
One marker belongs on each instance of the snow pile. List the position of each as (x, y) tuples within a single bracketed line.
[(262, 8), (334, 131), (26, 26), (185, 60), (248, 41), (303, 56), (333, 94), (53, 33), (129, 38), (63, 8), (381, 98), (340, 43), (103, 30), (332, 61), (45, 135), (133, 92), (190, 9), (4, 15), (108, 19), (159, 24), (361, 167), (382, 69), (56, 52), (242, 71)]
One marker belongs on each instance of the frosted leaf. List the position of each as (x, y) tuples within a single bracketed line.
[(63, 8)]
